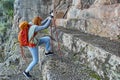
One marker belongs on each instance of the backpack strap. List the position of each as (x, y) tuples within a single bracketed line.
[(31, 35), (31, 32)]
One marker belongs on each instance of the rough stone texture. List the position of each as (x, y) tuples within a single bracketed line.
[(23, 10), (63, 66), (60, 69), (83, 56), (82, 4), (100, 54), (61, 8), (102, 21), (93, 26), (27, 10), (105, 2)]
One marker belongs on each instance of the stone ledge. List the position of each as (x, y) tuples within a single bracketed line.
[(92, 26), (102, 12), (56, 67), (97, 52), (107, 45), (63, 69)]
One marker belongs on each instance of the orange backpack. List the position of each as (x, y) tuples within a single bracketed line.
[(23, 36)]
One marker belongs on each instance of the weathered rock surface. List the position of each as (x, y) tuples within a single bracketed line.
[(100, 54), (102, 20), (89, 39), (57, 68)]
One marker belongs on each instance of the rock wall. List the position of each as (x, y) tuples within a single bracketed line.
[(23, 10), (26, 10), (102, 20), (88, 33)]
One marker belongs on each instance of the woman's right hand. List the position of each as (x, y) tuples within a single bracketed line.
[(51, 14)]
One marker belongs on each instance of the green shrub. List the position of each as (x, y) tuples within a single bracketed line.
[(8, 4), (2, 28), (94, 75), (6, 14)]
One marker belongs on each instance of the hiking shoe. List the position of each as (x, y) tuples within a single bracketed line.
[(27, 74), (48, 53)]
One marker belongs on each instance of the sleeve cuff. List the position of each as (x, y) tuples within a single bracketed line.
[(49, 17)]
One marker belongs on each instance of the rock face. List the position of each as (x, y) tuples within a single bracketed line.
[(93, 51), (23, 10), (102, 20), (93, 35), (26, 10), (88, 35)]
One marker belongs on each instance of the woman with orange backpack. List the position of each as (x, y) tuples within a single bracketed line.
[(37, 25)]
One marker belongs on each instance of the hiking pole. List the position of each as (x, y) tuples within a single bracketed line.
[(54, 24), (51, 37)]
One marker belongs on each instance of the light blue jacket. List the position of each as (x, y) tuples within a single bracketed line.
[(35, 28)]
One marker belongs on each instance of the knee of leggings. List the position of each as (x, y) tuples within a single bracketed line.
[(35, 61), (48, 38)]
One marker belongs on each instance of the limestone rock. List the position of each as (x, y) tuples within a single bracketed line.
[(104, 18), (105, 2), (87, 51)]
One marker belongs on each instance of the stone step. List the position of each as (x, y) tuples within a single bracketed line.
[(103, 12), (99, 53), (110, 46), (92, 26), (15, 72), (62, 67), (55, 67), (102, 21)]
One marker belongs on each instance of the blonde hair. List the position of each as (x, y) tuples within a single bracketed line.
[(37, 20), (23, 24)]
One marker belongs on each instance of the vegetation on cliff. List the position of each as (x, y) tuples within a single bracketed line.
[(6, 14), (6, 20)]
